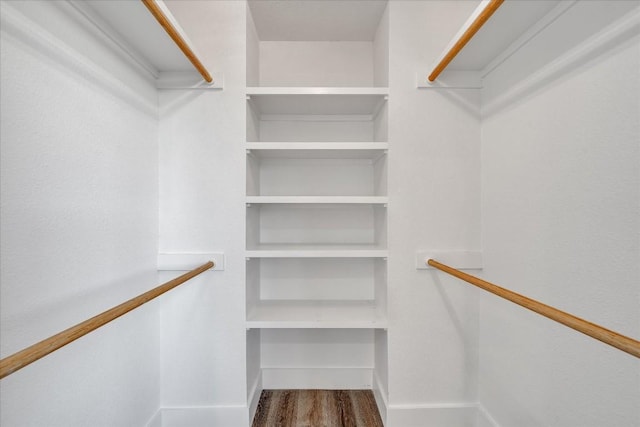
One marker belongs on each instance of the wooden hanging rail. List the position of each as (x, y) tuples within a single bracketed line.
[(621, 342), (19, 360), (163, 20), (480, 20)]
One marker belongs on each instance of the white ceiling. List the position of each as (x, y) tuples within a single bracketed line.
[(317, 20), (507, 24), (140, 30)]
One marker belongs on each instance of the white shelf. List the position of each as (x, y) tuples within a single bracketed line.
[(315, 251), (318, 101), (511, 26), (369, 200), (284, 90), (130, 27), (318, 150), (279, 314)]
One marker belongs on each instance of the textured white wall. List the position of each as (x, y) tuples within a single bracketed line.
[(78, 222), (561, 223), (316, 63), (434, 203), (202, 188)]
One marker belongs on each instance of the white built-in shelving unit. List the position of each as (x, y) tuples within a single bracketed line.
[(316, 196)]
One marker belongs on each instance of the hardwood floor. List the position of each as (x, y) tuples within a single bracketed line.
[(317, 408)]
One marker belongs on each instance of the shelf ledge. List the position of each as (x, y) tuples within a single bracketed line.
[(310, 90), (353, 200), (313, 314), (315, 251)]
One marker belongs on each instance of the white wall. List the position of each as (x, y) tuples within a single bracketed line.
[(381, 51), (253, 52), (78, 221), (434, 203), (317, 63), (202, 187), (561, 223)]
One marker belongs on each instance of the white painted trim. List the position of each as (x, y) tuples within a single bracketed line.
[(223, 416), (462, 260), (623, 29), (442, 405), (380, 393), (110, 36), (432, 414), (254, 396), (189, 261), (16, 24), (485, 419), (450, 79), (171, 80), (528, 35)]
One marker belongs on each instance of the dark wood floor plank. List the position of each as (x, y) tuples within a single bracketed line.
[(262, 411), (317, 408), (366, 409), (310, 408)]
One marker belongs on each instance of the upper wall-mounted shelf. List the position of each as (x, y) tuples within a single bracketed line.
[(131, 26), (333, 101), (495, 40), (506, 25), (532, 41)]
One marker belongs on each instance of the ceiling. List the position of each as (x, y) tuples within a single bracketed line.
[(317, 20)]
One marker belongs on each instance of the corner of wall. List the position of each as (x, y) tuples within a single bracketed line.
[(484, 418), (156, 420)]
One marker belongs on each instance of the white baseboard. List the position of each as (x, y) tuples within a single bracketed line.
[(317, 378), (380, 393), (432, 415), (254, 396), (206, 416)]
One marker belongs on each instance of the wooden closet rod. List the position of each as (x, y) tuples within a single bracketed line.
[(621, 342), (19, 360), (486, 13), (163, 20)]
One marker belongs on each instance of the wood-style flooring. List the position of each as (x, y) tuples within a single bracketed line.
[(317, 408)]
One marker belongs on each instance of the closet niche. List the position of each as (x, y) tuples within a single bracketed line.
[(316, 196)]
